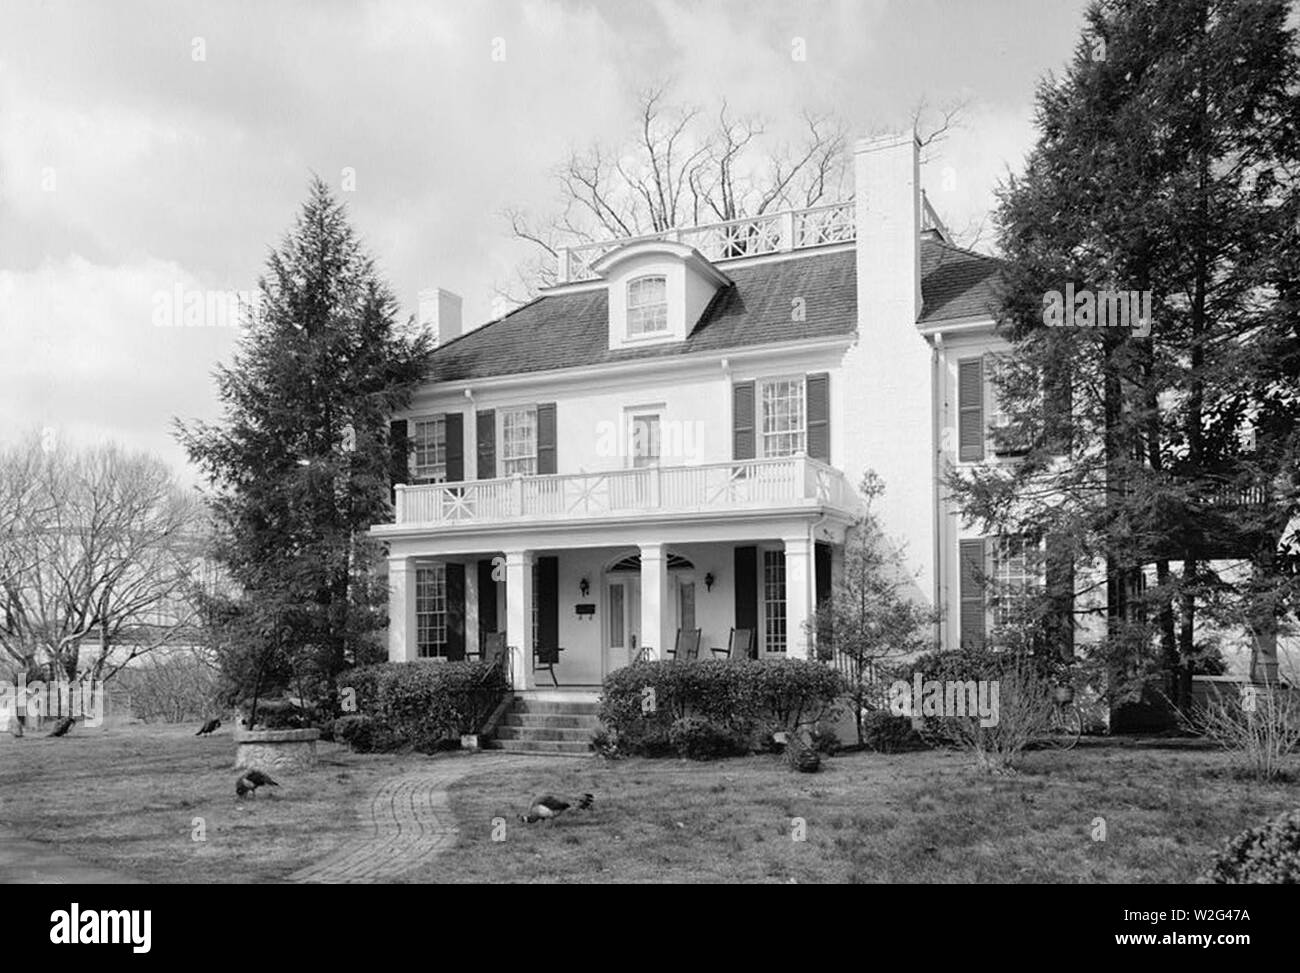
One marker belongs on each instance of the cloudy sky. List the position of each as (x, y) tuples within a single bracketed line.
[(150, 146)]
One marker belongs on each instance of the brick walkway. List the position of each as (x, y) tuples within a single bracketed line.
[(409, 821)]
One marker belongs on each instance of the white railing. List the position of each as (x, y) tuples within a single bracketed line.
[(754, 236), (740, 485)]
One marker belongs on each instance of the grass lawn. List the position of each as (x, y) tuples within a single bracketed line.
[(125, 798), (920, 817)]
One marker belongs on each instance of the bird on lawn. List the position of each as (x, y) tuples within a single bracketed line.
[(208, 727), (547, 807), (63, 726), (251, 781)]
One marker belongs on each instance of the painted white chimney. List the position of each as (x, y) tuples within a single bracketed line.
[(439, 314), (889, 400)]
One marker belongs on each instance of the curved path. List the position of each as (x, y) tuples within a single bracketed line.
[(409, 822)]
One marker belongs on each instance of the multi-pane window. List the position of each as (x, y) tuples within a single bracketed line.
[(429, 449), (431, 610), (647, 305), (645, 440), (1011, 579), (774, 601), (519, 442), (782, 413)]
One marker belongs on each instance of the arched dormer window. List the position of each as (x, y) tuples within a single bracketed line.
[(647, 305)]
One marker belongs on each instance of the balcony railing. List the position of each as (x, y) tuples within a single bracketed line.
[(742, 485), (750, 237)]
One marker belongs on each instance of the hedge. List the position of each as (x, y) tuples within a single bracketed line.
[(641, 703), (421, 704)]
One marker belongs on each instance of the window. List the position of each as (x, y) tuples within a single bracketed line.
[(429, 450), (782, 415), (774, 601), (431, 611), (645, 440), (1011, 579), (519, 442), (647, 306)]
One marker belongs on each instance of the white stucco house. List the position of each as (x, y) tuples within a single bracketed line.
[(670, 437)]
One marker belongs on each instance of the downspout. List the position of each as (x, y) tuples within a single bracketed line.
[(936, 440)]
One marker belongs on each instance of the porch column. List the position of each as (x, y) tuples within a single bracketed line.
[(798, 595), (655, 604), (401, 610), (519, 617)]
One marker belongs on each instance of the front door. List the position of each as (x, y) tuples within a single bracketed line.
[(623, 609)]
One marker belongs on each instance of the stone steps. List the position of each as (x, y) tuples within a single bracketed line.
[(548, 726)]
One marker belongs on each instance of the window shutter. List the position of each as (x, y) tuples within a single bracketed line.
[(546, 438), (742, 423), (745, 575), (485, 429), (973, 607), (1060, 592), (398, 448), (455, 612), (1058, 405), (970, 410), (487, 599), (454, 428), (548, 602), (818, 391), (822, 593)]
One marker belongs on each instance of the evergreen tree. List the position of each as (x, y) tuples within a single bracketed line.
[(299, 463), (1166, 162)]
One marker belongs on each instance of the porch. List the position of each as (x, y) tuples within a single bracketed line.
[(602, 607), (609, 566)]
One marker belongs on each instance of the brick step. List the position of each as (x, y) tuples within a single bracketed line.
[(550, 720), (565, 748), (576, 734)]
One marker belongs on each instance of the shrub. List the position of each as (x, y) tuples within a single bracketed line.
[(641, 702), (355, 730), (884, 732), (424, 705), (604, 743), (1268, 854), (1259, 728), (1024, 707), (699, 739)]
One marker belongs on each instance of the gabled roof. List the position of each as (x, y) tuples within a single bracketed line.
[(568, 329)]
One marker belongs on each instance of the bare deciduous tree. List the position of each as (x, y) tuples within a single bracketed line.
[(99, 559), (683, 167)]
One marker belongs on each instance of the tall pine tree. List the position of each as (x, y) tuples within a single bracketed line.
[(1166, 162), (299, 463)]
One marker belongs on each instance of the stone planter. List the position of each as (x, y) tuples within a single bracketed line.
[(272, 750)]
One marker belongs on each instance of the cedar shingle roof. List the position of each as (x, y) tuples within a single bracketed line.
[(567, 330)]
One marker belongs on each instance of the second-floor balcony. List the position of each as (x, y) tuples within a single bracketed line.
[(719, 488)]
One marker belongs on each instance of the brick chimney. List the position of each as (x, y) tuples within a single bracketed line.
[(890, 400), (439, 314)]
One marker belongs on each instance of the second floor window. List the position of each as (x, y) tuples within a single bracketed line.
[(647, 306), (429, 450), (519, 442), (782, 417)]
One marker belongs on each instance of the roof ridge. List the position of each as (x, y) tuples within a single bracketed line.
[(487, 324), (966, 251)]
